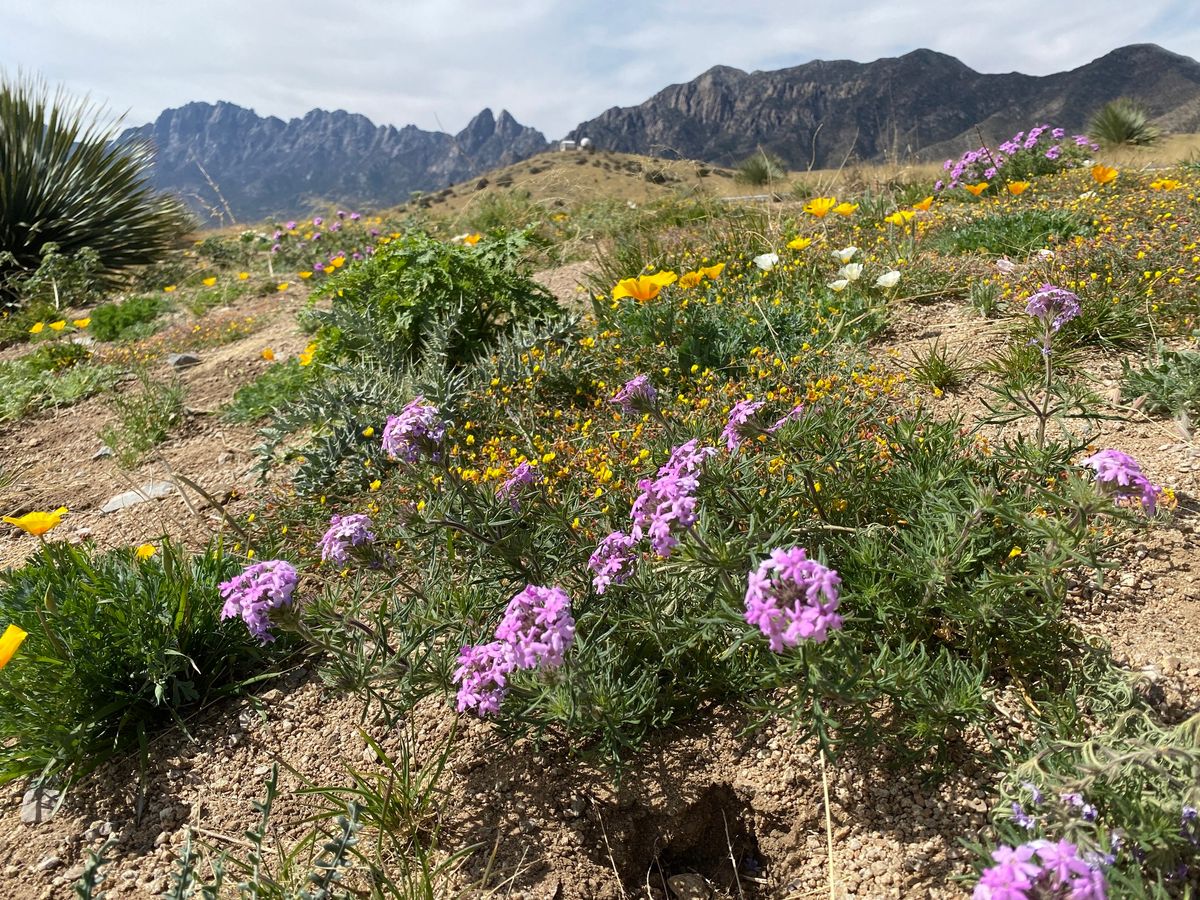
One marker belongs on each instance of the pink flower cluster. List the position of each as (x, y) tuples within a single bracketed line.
[(1122, 478), (612, 560), (536, 632), (417, 431), (667, 504), (1053, 305), (522, 477), (345, 532), (1040, 869), (793, 598), (637, 395), (252, 595), (741, 423)]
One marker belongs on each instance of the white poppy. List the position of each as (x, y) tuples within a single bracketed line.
[(888, 279), (851, 272), (845, 254), (767, 261), (1006, 265), (1046, 254), (839, 285)]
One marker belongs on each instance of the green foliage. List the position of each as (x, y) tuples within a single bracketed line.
[(384, 306), (940, 368), (1170, 385), (145, 415), (1122, 123), (279, 386), (55, 375), (118, 648), (65, 180), (1013, 233), (500, 210), (128, 319), (761, 169), (61, 281)]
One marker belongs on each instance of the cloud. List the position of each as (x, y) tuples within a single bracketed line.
[(435, 63)]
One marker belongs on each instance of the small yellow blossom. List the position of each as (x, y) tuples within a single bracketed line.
[(369, 431), (306, 274), (845, 209), (209, 281), (1017, 188), (376, 484), (37, 523), (282, 286), (643, 287), (976, 189), (924, 205), (268, 354), (820, 206), (169, 288), (242, 276), (82, 323), (59, 325), (1103, 174), (1015, 552), (37, 327), (799, 243), (145, 551), (10, 641)]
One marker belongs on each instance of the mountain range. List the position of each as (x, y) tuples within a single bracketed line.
[(920, 106)]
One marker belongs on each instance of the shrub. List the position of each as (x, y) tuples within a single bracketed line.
[(385, 306), (1011, 233), (761, 169), (1041, 151), (125, 320), (1171, 386), (53, 375), (276, 388), (1122, 123), (144, 418), (117, 648), (70, 183)]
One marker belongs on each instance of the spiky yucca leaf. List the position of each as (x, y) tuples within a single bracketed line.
[(66, 180), (1122, 123)]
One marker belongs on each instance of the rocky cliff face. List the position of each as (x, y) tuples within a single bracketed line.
[(923, 104), (266, 166)]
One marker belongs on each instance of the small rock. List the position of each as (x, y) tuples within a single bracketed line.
[(73, 874), (689, 887), (38, 805), (103, 453), (154, 490), (180, 361), (1170, 664), (48, 863), (164, 838)]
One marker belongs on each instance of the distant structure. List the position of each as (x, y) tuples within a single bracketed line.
[(585, 143), (564, 146)]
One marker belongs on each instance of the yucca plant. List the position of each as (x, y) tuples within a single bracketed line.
[(66, 180), (761, 169), (1122, 123)]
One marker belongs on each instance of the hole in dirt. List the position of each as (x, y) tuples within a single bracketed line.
[(713, 838)]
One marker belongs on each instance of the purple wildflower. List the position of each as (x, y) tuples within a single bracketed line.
[(317, 221), (291, 226), (345, 532), (482, 676), (792, 415), (1022, 818), (636, 396), (1035, 796), (537, 627), (276, 248), (341, 214), (1189, 825), (612, 561), (522, 476), (989, 173), (416, 430), (668, 503), (259, 589), (1058, 134), (1121, 477), (1053, 305), (1040, 868), (1054, 152), (784, 599), (741, 424), (354, 217)]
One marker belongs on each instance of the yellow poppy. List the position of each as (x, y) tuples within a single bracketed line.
[(306, 274), (82, 323), (472, 239), (9, 642), (209, 281), (282, 286), (820, 206), (799, 243), (305, 358), (37, 327), (924, 204), (1165, 184), (369, 431), (242, 276), (169, 288), (713, 271), (845, 209), (1103, 174), (38, 523), (145, 551), (59, 325), (338, 261), (899, 217), (268, 354), (643, 287), (1017, 188), (976, 189), (689, 280)]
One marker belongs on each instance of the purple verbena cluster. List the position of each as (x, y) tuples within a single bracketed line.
[(1122, 478), (1055, 306), (418, 430), (259, 589), (667, 504), (741, 423), (637, 395), (612, 560), (1040, 150), (345, 532), (793, 598), (1040, 868), (790, 416), (536, 631), (522, 477)]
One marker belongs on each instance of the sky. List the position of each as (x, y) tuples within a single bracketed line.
[(436, 63)]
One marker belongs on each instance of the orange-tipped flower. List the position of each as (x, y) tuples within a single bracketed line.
[(10, 641), (689, 280), (820, 206), (1103, 174), (712, 272), (976, 189), (38, 523), (643, 287), (924, 204), (1017, 188)]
